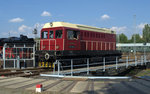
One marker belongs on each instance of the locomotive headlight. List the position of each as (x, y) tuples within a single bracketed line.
[(47, 56), (57, 47)]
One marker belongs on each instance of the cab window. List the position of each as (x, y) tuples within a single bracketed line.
[(51, 35), (58, 34), (44, 34), (72, 34)]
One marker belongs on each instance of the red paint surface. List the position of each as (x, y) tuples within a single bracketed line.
[(1, 48), (99, 40), (39, 86)]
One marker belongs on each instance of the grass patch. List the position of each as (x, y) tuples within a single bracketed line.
[(144, 73)]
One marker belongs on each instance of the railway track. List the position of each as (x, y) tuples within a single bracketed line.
[(23, 72), (34, 72)]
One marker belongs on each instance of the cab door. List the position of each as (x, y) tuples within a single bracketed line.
[(59, 39)]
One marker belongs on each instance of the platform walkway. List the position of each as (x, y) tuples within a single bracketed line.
[(19, 85)]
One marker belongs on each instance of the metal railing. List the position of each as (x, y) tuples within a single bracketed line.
[(103, 65), (14, 54)]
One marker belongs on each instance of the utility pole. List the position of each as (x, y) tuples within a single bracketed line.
[(35, 32), (118, 38), (134, 34), (119, 41), (9, 34)]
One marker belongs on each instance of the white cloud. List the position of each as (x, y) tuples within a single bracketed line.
[(15, 20), (105, 17), (11, 33), (4, 35), (45, 13), (28, 30), (24, 28), (141, 26), (38, 26), (119, 29)]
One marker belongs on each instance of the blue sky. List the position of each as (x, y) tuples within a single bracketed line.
[(21, 16)]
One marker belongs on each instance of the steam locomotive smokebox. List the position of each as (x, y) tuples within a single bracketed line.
[(18, 52)]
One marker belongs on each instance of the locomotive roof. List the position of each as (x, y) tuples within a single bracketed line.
[(77, 26)]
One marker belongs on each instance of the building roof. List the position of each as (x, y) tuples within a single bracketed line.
[(78, 26), (131, 44)]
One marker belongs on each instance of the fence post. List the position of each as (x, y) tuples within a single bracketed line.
[(87, 66), (141, 60), (116, 62), (4, 58), (104, 64), (135, 61), (54, 67), (127, 62), (145, 59), (14, 63), (18, 62), (34, 55), (71, 67), (58, 67)]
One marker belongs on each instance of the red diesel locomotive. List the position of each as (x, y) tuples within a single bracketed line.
[(66, 40)]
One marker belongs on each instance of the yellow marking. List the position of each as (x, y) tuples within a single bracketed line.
[(39, 64), (42, 64), (46, 65), (53, 65), (50, 64)]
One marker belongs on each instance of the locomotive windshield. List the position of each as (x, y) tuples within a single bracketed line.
[(44, 35), (58, 34), (72, 34), (51, 34)]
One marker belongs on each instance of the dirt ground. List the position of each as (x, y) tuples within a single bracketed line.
[(16, 91), (12, 91)]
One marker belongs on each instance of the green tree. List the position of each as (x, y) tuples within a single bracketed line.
[(123, 38), (138, 39), (146, 33)]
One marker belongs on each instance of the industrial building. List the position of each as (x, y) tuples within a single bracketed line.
[(130, 47)]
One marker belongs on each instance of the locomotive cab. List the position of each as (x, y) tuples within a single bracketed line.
[(52, 39), (57, 40)]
